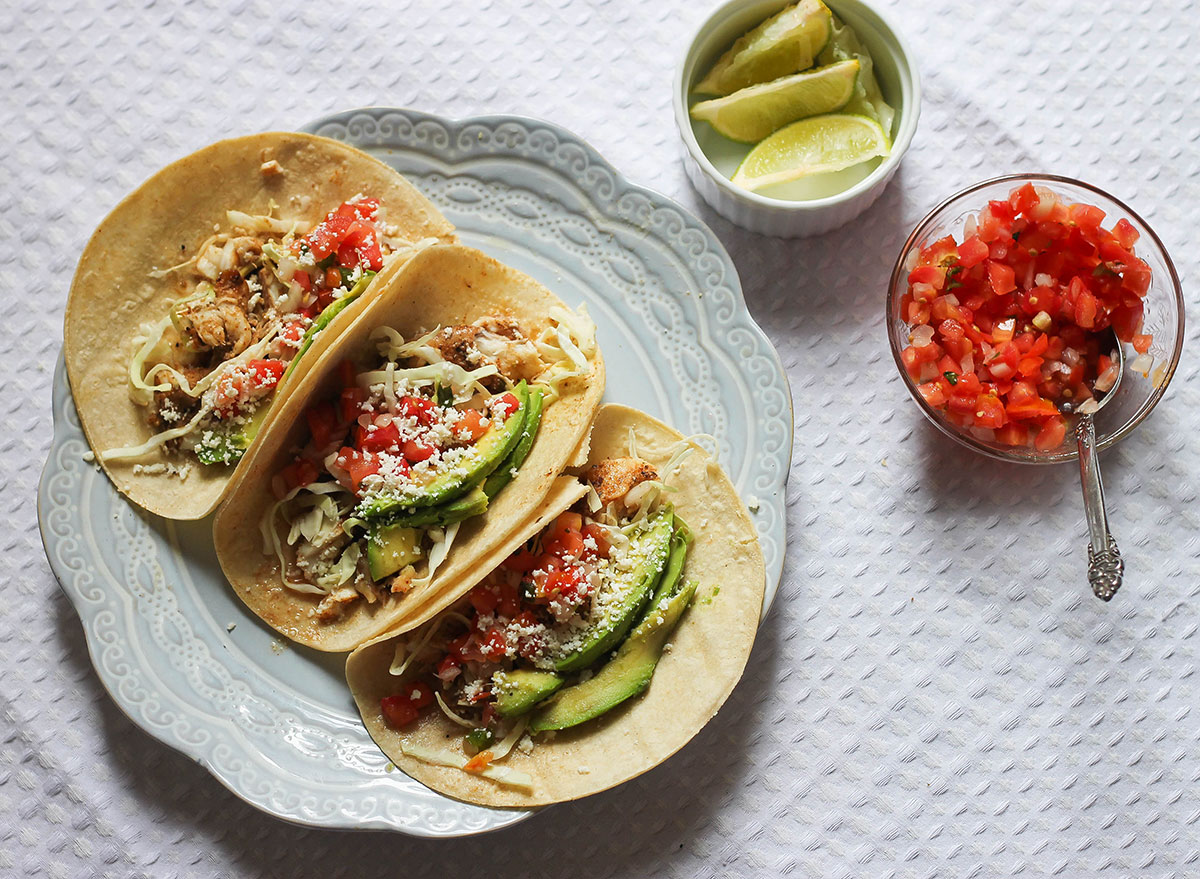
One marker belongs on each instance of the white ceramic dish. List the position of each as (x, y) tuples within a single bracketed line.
[(275, 723), (710, 159)]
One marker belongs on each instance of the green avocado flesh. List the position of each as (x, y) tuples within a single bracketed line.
[(624, 676), (325, 317), (503, 474), (391, 548), (470, 504), (491, 448), (519, 690), (227, 447), (681, 539), (652, 543)]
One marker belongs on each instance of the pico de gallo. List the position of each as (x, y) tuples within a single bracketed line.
[(1012, 322), (251, 300), (512, 616), (406, 450), (527, 649)]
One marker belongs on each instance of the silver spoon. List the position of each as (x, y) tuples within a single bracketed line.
[(1105, 565)]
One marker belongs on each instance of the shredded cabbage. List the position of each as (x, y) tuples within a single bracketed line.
[(147, 343), (593, 499), (649, 491), (155, 441), (506, 744), (271, 544), (140, 392), (392, 345), (389, 386), (461, 721), (464, 383), (398, 667), (159, 274), (566, 345), (254, 352), (282, 263), (442, 541), (267, 224), (343, 570), (500, 774), (319, 521)]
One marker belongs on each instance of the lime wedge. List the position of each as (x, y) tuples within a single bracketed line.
[(867, 99), (785, 43), (750, 114), (815, 145)]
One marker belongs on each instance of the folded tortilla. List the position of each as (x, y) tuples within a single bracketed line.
[(443, 285), (705, 659), (161, 224)]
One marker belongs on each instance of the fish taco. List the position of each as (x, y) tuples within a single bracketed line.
[(430, 430), (206, 293), (593, 652)]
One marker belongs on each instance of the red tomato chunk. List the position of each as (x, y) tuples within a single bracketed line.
[(1008, 324)]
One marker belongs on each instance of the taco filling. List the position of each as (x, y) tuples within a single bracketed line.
[(568, 627), (410, 448), (250, 302)]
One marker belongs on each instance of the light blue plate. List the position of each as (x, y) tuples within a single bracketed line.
[(190, 665)]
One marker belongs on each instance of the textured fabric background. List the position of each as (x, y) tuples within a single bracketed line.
[(933, 694)]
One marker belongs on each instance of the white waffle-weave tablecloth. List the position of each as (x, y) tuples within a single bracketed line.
[(933, 694)]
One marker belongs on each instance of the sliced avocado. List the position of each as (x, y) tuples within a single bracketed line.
[(503, 474), (391, 548), (470, 504), (487, 453), (652, 544), (228, 445), (681, 539), (325, 317), (517, 691), (624, 676)]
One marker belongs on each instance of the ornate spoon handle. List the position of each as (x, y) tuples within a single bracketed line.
[(1105, 565)]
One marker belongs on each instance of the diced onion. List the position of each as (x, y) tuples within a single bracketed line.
[(1106, 380), (1143, 363)]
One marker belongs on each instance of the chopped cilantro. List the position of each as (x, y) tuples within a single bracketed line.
[(952, 273), (951, 377)]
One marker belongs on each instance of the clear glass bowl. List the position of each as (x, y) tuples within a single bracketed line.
[(1137, 393)]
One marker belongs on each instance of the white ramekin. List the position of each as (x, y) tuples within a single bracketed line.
[(898, 79)]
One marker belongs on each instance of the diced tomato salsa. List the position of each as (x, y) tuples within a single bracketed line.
[(348, 238), (506, 616), (352, 436), (1009, 323)]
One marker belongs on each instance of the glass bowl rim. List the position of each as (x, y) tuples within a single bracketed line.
[(899, 273)]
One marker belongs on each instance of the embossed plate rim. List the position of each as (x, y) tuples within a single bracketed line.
[(373, 793)]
